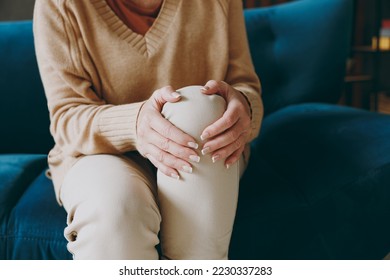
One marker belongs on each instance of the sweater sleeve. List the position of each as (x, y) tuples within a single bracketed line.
[(241, 74), (82, 123)]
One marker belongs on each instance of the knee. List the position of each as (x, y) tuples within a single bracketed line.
[(195, 111)]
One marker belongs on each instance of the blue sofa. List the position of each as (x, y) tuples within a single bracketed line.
[(318, 184)]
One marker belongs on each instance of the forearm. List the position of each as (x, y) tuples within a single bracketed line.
[(95, 129), (241, 73)]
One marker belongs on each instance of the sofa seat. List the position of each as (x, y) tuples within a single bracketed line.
[(36, 224), (321, 189), (32, 221), (16, 173), (328, 203)]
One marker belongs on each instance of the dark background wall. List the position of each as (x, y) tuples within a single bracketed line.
[(16, 9)]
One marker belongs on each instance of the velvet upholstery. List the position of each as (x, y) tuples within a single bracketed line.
[(317, 186), (16, 173), (35, 230), (299, 50), (323, 190), (25, 125)]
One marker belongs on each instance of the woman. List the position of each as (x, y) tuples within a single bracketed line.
[(115, 74)]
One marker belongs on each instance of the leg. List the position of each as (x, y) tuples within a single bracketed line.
[(198, 210), (112, 212)]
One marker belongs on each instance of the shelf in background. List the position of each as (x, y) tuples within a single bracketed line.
[(357, 78), (369, 49)]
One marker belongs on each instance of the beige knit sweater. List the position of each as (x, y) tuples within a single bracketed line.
[(97, 72)]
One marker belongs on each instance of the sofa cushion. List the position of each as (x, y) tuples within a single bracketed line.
[(337, 158), (319, 146), (36, 224), (354, 219), (16, 173), (271, 216)]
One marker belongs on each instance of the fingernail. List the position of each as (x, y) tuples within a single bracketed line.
[(215, 158), (205, 151), (227, 166), (175, 94), (205, 88), (204, 136), (193, 145), (175, 176), (195, 158), (187, 169)]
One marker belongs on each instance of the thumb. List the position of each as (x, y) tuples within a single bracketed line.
[(164, 95), (214, 87)]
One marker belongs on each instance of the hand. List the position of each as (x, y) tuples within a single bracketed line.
[(226, 138), (166, 146)]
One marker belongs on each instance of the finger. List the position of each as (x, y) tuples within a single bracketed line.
[(233, 158), (169, 161), (164, 95), (228, 120), (163, 169), (228, 150), (171, 147), (214, 87), (166, 129), (226, 138)]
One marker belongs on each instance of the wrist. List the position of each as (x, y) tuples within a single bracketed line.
[(247, 101)]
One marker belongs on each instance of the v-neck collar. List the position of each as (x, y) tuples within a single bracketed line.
[(147, 44)]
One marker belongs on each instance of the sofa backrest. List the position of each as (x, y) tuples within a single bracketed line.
[(300, 50), (24, 117)]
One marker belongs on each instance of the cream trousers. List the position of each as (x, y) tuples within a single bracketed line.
[(119, 208)]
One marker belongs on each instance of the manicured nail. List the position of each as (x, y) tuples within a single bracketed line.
[(194, 158), (175, 94), (187, 169), (204, 136), (175, 176), (193, 145), (205, 151), (215, 158)]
